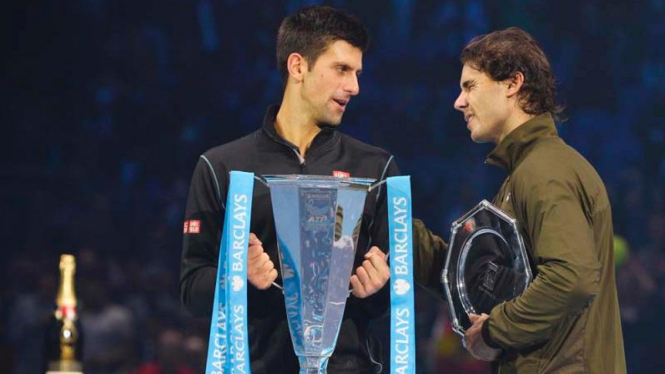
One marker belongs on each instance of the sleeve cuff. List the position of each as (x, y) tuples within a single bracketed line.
[(485, 331)]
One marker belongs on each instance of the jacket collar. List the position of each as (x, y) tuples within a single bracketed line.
[(510, 152), (322, 140)]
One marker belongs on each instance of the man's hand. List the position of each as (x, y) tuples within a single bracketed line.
[(261, 271), (473, 340), (372, 275)]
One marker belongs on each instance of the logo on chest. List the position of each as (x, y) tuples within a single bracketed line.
[(192, 226), (341, 174)]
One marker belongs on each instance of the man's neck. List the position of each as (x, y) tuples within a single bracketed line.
[(515, 121), (294, 125)]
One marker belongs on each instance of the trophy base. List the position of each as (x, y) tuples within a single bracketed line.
[(313, 364)]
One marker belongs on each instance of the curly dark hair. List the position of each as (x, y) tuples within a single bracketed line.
[(311, 29), (501, 54)]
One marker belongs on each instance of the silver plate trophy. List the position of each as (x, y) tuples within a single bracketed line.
[(317, 220), (486, 265)]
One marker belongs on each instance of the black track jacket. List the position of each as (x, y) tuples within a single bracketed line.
[(265, 152)]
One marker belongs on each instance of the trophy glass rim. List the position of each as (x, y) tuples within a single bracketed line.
[(484, 205), (324, 181), (456, 225)]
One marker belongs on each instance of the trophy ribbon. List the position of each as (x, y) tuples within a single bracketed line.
[(402, 318), (228, 348)]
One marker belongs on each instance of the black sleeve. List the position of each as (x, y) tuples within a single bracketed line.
[(379, 229), (200, 252), (378, 304)]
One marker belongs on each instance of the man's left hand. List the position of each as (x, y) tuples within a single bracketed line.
[(473, 340), (372, 275)]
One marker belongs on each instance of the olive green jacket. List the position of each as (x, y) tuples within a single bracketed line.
[(429, 257), (567, 321)]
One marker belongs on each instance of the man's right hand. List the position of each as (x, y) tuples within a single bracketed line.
[(261, 271)]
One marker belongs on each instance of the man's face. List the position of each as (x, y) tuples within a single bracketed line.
[(485, 105), (329, 85)]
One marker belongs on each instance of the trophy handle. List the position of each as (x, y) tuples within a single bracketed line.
[(376, 184), (262, 180), (265, 183), (372, 187)]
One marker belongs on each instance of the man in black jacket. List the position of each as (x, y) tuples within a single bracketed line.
[(319, 54)]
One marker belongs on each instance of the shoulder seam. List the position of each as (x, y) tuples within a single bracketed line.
[(219, 193), (383, 175), (378, 194)]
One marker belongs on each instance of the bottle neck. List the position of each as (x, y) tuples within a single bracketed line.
[(66, 299)]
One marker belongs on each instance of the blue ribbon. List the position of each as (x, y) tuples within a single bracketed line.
[(228, 348), (402, 318)]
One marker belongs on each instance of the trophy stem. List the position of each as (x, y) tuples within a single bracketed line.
[(313, 364)]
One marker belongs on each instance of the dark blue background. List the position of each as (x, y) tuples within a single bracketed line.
[(106, 106)]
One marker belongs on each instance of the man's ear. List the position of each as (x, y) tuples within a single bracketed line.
[(514, 84), (297, 66)]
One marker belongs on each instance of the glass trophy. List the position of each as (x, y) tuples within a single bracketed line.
[(486, 264), (317, 219)]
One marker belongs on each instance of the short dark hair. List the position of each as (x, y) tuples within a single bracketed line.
[(311, 29), (501, 54)]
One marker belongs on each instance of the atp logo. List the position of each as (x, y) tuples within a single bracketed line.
[(401, 287), (237, 283)]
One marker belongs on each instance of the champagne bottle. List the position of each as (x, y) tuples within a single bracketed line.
[(64, 338)]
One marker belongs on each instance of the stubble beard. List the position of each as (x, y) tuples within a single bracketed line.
[(328, 118)]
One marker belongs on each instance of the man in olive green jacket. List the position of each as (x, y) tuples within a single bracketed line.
[(567, 321)]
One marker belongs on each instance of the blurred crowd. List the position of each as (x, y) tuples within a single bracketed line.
[(109, 104)]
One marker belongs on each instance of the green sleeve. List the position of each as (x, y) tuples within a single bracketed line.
[(557, 223), (429, 256)]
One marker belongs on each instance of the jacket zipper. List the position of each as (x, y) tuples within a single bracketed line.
[(301, 160)]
